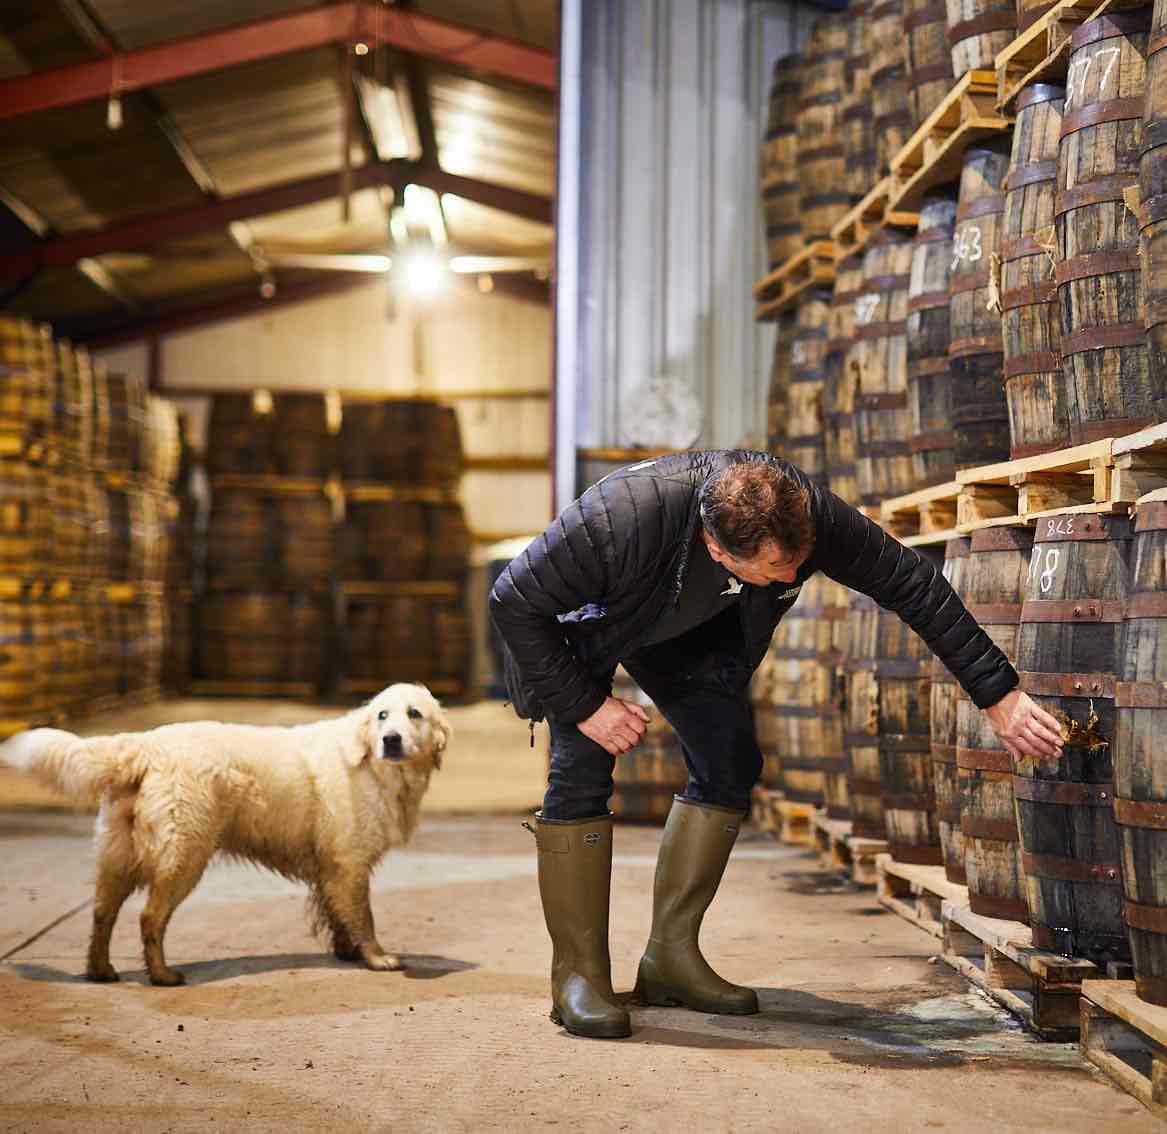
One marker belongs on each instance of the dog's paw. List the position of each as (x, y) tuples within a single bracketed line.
[(384, 962), (103, 974), (346, 951), (166, 977)]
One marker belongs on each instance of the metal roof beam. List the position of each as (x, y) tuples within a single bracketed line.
[(158, 228), (261, 39)]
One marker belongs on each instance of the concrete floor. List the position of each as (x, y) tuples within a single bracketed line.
[(860, 1030)]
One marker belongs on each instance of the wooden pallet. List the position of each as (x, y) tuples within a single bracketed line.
[(1091, 478), (843, 853), (1126, 1039), (814, 266), (916, 893), (795, 822), (1041, 53), (291, 690), (852, 233), (934, 153), (924, 517), (1040, 988)]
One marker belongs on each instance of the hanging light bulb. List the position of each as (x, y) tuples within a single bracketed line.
[(113, 112)]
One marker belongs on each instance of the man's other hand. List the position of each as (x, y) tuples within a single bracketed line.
[(1024, 727), (616, 726)]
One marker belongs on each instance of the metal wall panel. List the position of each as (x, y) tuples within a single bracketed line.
[(660, 230)]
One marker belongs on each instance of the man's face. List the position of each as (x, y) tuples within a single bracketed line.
[(772, 564)]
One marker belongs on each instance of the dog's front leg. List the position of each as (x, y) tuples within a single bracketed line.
[(347, 898)]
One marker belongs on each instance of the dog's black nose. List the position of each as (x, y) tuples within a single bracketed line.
[(392, 743)]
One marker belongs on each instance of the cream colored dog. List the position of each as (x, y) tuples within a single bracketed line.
[(321, 803)]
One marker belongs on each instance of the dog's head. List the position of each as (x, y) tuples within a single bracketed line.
[(406, 725)]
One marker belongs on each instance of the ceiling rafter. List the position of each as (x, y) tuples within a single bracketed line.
[(158, 228), (357, 20)]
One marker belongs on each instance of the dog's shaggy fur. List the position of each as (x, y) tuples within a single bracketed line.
[(320, 803)]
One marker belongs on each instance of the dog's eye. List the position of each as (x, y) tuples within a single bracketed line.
[(383, 715), (414, 714)]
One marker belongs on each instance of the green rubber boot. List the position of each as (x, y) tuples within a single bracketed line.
[(693, 852), (575, 881)]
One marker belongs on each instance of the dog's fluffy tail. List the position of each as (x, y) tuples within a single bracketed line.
[(83, 769)]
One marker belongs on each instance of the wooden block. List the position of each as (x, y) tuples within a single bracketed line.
[(980, 502), (1039, 491), (937, 515), (960, 943), (1001, 972)]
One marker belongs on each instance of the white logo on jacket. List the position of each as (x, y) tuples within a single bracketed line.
[(734, 588), (794, 592)]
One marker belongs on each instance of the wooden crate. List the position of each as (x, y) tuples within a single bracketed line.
[(794, 823), (924, 517), (1040, 988), (934, 153), (916, 893), (861, 223), (814, 266), (1126, 1039), (1041, 53)]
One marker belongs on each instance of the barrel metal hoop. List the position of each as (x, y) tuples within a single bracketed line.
[(928, 300), (944, 753), (1065, 684), (903, 667), (1037, 363), (1147, 604), (990, 206), (1097, 264), (1108, 26), (1066, 794), (1060, 529), (936, 439), (886, 283), (876, 402), (1070, 869), (931, 14), (865, 787), (1105, 338), (1030, 295), (967, 281), (1154, 313), (907, 801), (983, 827), (1098, 191), (882, 330), (1008, 538), (934, 72), (978, 413), (1113, 110), (995, 613), (1037, 92), (998, 19), (1150, 813), (984, 759), (949, 813), (1015, 247), (937, 234), (979, 344), (1149, 919), (884, 11), (1084, 432), (833, 198), (904, 742), (1004, 909), (1032, 173), (916, 855)]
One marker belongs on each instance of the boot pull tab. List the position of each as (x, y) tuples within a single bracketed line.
[(529, 828), (531, 725)]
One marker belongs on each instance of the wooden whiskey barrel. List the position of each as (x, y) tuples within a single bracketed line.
[(1030, 328), (945, 695), (31, 534), (778, 393), (239, 538), (878, 358), (239, 437), (903, 667), (804, 443), (304, 537), (927, 56), (998, 562), (379, 442), (441, 460), (264, 636), (1140, 788), (929, 399), (124, 438), (74, 404), (977, 30), (979, 412), (891, 112), (835, 637), (1030, 11), (1153, 200), (804, 695), (821, 167), (407, 637), (839, 387), (861, 721), (860, 148), (1068, 648), (780, 163), (1103, 342), (26, 400), (447, 542), (23, 699), (301, 443), (384, 540)]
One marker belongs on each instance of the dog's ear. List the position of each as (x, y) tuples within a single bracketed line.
[(364, 737), (443, 729)]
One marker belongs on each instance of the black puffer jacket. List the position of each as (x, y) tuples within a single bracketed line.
[(570, 606)]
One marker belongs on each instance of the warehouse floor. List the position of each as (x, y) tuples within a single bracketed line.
[(860, 1030)]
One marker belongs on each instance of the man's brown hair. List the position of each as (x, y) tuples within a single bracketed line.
[(749, 503)]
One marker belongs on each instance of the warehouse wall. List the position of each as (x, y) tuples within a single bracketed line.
[(660, 232), (463, 344)]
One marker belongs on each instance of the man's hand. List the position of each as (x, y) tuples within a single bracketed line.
[(1024, 728), (616, 726)]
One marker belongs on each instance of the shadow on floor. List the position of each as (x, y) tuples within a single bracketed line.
[(418, 966)]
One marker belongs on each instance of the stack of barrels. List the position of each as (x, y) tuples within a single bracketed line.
[(405, 547), (336, 548), (780, 164), (264, 620), (86, 469)]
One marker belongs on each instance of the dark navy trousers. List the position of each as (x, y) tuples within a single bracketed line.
[(700, 683)]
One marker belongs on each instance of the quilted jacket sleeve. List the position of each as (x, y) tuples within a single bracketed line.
[(563, 570), (861, 555)]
